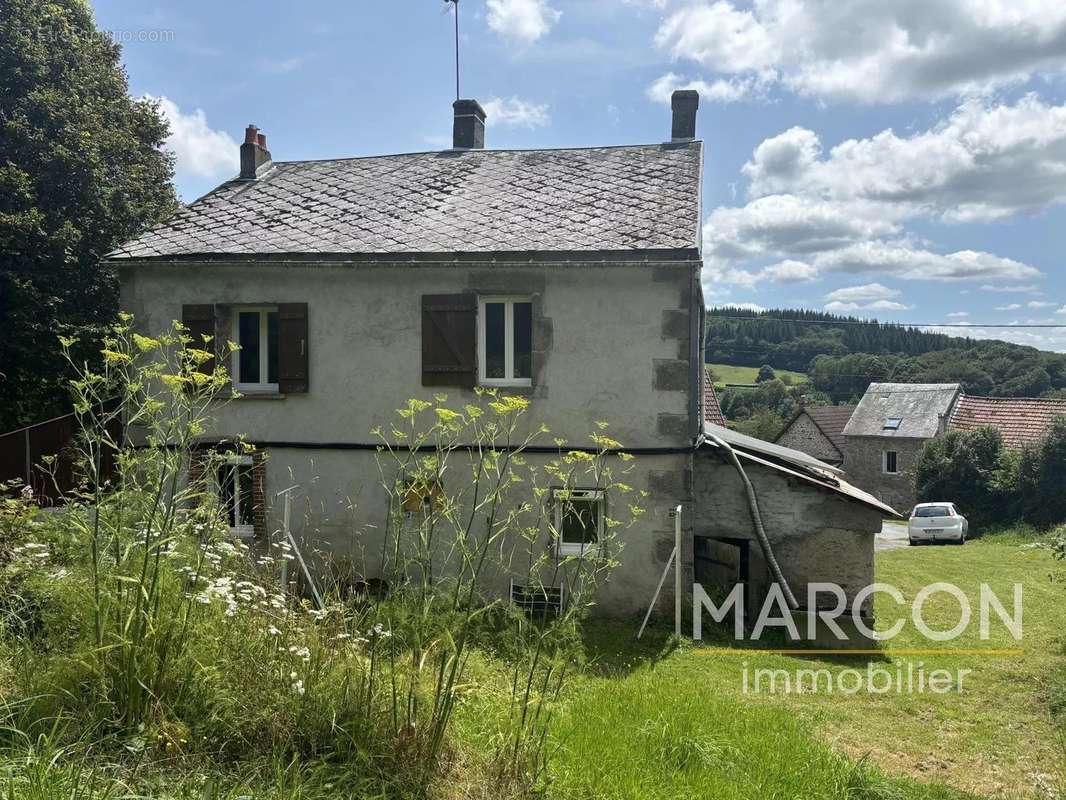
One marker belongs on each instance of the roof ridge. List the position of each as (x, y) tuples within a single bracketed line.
[(487, 150)]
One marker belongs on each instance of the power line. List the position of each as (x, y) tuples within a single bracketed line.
[(970, 325)]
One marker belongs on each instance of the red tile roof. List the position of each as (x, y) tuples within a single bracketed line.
[(1021, 420), (831, 421), (712, 411)]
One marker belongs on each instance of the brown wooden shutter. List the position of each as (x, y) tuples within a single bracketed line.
[(449, 340), (293, 348), (200, 321)]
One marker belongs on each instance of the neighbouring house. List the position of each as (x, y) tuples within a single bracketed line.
[(712, 409), (1021, 420), (570, 276), (818, 431), (886, 431)]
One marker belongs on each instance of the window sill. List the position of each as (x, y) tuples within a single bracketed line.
[(244, 532), (245, 394), (589, 553), (517, 387)]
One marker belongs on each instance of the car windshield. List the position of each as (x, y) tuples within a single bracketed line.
[(932, 511)]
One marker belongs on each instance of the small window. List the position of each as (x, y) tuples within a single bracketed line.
[(537, 599), (891, 465), (505, 341), (893, 423), (255, 364), (578, 521), (236, 495)]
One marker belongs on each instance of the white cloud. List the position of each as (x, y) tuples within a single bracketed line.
[(789, 271), (719, 91), (200, 151), (1040, 304), (866, 293), (837, 306), (1009, 307), (523, 21), (984, 162), (872, 50), (1025, 289), (516, 113), (867, 297), (901, 259), (959, 314), (845, 210)]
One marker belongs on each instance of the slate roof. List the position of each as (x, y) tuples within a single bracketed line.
[(918, 406), (1021, 420), (712, 409), (831, 420), (589, 200)]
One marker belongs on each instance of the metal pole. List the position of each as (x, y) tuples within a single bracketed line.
[(655, 597), (456, 49), (677, 571)]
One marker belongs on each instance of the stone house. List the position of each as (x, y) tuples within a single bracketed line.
[(570, 277), (818, 431), (886, 431)]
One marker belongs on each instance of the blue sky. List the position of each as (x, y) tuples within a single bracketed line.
[(890, 158)]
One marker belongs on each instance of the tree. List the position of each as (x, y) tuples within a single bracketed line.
[(970, 469), (1042, 476), (766, 373), (81, 171)]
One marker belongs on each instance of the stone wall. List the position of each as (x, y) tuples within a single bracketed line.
[(863, 463), (818, 535), (802, 434)]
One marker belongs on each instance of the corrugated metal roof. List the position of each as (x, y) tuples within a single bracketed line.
[(917, 406), (735, 439), (795, 464)]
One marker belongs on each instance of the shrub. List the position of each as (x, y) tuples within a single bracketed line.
[(971, 469), (1042, 478), (143, 627), (766, 373)]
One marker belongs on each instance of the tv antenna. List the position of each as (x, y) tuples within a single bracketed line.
[(456, 12)]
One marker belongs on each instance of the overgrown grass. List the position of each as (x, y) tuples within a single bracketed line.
[(651, 722), (654, 720)]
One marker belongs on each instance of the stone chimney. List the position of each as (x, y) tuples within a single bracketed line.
[(255, 158), (468, 132), (684, 103)]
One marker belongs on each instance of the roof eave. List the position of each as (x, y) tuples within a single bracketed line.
[(682, 256)]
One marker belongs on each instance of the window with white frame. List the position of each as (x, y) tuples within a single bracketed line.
[(236, 494), (890, 462), (578, 521), (505, 341), (255, 364)]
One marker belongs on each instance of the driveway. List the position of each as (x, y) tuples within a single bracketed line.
[(892, 535)]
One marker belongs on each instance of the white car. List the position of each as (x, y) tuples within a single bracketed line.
[(936, 522)]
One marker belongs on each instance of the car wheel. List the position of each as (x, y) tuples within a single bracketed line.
[(911, 541)]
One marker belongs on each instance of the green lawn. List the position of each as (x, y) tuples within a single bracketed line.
[(676, 724), (727, 373)]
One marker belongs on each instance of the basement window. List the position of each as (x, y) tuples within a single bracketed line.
[(505, 341), (893, 423), (537, 599), (890, 462), (255, 364), (236, 495), (578, 521)]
